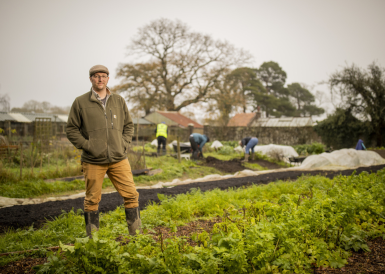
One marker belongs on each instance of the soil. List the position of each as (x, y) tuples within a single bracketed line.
[(236, 165)]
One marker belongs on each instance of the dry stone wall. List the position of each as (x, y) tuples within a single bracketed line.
[(266, 135)]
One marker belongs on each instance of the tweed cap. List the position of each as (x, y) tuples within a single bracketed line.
[(98, 68)]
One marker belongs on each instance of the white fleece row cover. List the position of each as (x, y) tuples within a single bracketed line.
[(216, 144), (155, 143), (272, 150), (344, 158)]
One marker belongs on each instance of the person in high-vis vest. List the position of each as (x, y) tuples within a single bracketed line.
[(161, 134)]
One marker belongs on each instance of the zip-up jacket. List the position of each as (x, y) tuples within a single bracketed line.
[(104, 133), (200, 139)]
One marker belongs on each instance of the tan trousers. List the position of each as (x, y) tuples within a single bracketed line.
[(120, 175)]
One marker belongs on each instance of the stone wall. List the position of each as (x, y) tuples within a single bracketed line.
[(266, 135)]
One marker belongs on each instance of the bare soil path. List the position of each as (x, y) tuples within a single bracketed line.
[(235, 165)]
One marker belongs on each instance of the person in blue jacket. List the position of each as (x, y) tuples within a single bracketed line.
[(197, 142), (360, 145), (250, 143)]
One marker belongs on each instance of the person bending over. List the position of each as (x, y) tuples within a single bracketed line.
[(250, 143), (197, 142)]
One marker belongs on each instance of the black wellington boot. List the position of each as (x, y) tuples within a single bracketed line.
[(92, 222), (133, 220)]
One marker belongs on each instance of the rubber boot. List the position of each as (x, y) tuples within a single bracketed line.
[(252, 156), (246, 158), (158, 152), (92, 222), (133, 220), (164, 152)]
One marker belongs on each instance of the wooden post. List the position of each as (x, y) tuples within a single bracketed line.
[(21, 160), (137, 129), (32, 149), (144, 156), (178, 146)]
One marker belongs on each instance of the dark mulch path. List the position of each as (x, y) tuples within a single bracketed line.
[(26, 215), (236, 165)]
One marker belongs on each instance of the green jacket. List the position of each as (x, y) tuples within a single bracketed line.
[(103, 134)]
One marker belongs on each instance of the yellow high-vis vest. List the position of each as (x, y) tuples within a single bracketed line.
[(161, 130)]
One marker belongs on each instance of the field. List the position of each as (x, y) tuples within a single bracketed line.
[(283, 227), (282, 222)]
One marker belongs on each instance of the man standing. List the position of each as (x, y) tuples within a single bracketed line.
[(197, 142), (99, 123), (250, 143), (161, 134)]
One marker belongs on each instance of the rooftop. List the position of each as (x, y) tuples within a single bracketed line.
[(28, 117), (241, 120), (283, 122), (179, 118)]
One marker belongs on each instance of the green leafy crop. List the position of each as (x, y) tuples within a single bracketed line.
[(283, 227)]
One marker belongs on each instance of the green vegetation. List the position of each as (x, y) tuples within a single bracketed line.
[(172, 169), (283, 227), (314, 148), (376, 148), (254, 166), (65, 162), (341, 129)]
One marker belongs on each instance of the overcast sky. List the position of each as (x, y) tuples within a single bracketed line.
[(47, 47)]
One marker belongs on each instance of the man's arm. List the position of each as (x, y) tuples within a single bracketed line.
[(74, 124), (128, 126)]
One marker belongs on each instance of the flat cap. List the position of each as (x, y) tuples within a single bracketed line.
[(98, 68)]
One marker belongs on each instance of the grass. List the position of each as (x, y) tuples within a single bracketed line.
[(222, 157), (33, 185), (172, 169), (254, 166)]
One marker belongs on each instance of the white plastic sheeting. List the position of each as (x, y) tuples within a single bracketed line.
[(272, 150), (344, 158), (154, 142), (170, 145), (239, 149), (216, 145)]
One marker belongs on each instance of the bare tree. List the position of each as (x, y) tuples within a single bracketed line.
[(141, 84), (5, 103), (189, 63), (226, 96)]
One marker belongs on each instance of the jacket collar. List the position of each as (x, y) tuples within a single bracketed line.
[(93, 97)]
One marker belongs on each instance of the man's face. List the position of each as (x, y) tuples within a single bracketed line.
[(99, 81)]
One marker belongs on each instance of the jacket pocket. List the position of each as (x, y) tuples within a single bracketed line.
[(116, 144), (97, 144)]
